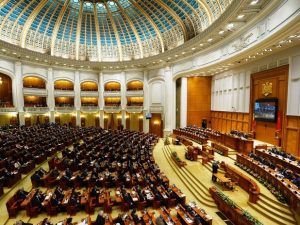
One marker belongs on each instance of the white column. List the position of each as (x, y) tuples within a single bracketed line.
[(101, 98), (77, 102), (183, 102), (170, 100), (146, 103), (50, 94), (101, 91), (124, 119), (101, 118), (123, 90), (19, 92)]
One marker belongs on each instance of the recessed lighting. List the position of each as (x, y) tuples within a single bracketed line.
[(241, 16), (230, 26), (65, 64), (168, 58), (221, 32), (104, 67), (290, 41), (36, 59), (14, 53), (81, 66), (27, 56), (279, 46), (193, 48), (210, 40), (3, 50), (254, 2), (176, 55), (201, 45), (182, 53)]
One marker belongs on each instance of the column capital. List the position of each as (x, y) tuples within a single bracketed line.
[(18, 63)]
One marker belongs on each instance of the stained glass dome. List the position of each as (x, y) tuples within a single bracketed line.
[(105, 30)]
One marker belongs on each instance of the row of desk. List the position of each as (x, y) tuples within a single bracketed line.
[(286, 187)]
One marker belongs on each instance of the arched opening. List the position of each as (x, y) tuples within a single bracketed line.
[(135, 85), (135, 101), (112, 86), (6, 98), (89, 86), (34, 82), (63, 85)]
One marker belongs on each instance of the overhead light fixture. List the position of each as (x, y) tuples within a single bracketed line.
[(201, 45), (3, 50), (1, 81), (230, 26), (183, 53), (210, 40), (193, 48), (221, 32), (254, 2), (241, 16)]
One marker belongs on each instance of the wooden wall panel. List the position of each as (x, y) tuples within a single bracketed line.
[(156, 124), (6, 99), (227, 121), (198, 100), (292, 135), (265, 131)]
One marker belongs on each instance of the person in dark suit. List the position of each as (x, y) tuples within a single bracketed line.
[(22, 194), (119, 220), (20, 222), (100, 220), (215, 167), (54, 201)]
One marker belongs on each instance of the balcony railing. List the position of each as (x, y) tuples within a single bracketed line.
[(89, 108), (135, 93), (7, 109), (36, 109), (64, 108), (112, 109), (34, 91), (89, 93), (64, 93), (112, 93), (134, 108)]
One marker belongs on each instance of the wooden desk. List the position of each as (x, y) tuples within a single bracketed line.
[(183, 216), (181, 196), (291, 192), (26, 202), (276, 159), (243, 181), (167, 216), (224, 181)]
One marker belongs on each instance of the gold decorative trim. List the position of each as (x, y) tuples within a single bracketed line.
[(267, 88)]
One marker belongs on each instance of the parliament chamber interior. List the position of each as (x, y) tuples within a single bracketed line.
[(145, 112)]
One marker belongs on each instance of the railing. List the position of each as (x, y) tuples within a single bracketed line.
[(112, 93), (36, 109), (134, 108), (8, 109), (64, 92), (64, 108), (90, 108), (112, 109), (34, 91), (134, 92), (89, 93)]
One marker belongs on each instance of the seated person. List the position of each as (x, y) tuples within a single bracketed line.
[(20, 222), (22, 194), (119, 220), (100, 220)]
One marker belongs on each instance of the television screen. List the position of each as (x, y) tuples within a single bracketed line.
[(266, 109), (148, 116)]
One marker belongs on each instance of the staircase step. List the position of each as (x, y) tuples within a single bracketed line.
[(194, 188), (278, 218), (274, 205), (274, 201)]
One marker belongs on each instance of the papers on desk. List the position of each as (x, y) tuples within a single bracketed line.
[(60, 223), (117, 192), (165, 196), (48, 196), (135, 199), (84, 222), (182, 195), (66, 201), (188, 219)]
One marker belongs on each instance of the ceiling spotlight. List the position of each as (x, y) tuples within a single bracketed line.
[(201, 45), (168, 58), (230, 26), (193, 48), (210, 40), (36, 59), (3, 50), (221, 32), (14, 53), (176, 55), (254, 2), (241, 16), (183, 53), (279, 46), (290, 41)]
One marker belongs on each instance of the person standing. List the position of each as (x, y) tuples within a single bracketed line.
[(215, 167)]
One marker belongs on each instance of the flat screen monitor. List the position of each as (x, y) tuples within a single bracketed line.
[(265, 109), (148, 116)]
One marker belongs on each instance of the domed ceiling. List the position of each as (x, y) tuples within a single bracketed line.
[(105, 30)]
